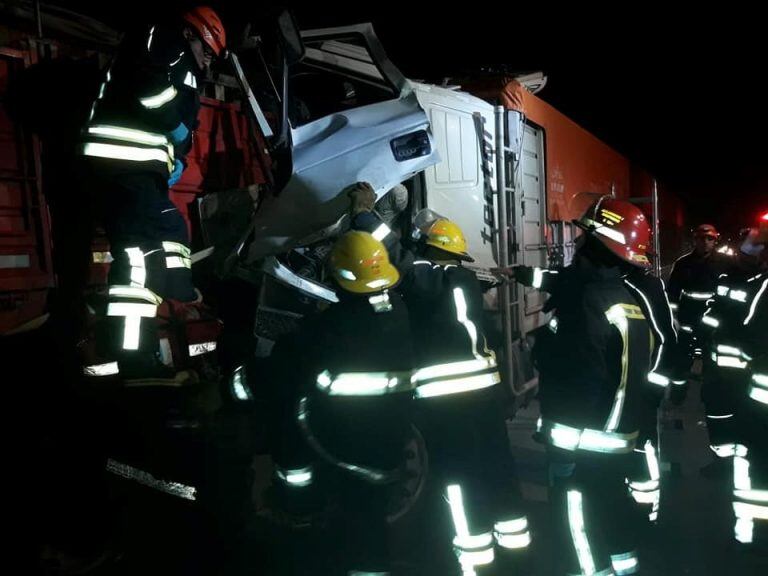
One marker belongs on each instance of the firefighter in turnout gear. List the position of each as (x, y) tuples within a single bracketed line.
[(736, 393), (350, 419), (134, 144), (460, 407), (693, 281), (459, 402), (669, 359), (594, 360)]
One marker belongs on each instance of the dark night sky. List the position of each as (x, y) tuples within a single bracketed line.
[(681, 95)]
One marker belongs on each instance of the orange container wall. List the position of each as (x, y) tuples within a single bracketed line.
[(579, 166)]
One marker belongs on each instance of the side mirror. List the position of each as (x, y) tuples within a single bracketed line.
[(290, 37)]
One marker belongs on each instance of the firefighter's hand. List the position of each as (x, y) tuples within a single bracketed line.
[(518, 273), (363, 197)]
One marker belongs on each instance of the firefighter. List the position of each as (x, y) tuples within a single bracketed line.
[(593, 360), (693, 281), (139, 131), (668, 366), (460, 406), (351, 421), (736, 393), (459, 400)]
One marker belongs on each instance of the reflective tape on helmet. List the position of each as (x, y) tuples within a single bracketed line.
[(570, 438), (158, 100)]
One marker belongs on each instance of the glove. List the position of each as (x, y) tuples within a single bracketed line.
[(523, 275), (178, 168), (179, 134), (363, 197)]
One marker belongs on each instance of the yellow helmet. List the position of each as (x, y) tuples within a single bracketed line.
[(447, 236), (360, 264)]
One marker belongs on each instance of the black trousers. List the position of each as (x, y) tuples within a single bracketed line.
[(596, 520)]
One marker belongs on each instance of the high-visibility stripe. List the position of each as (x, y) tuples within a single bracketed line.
[(147, 479), (728, 450), (149, 40), (177, 248), (512, 534), (710, 321), (190, 80), (108, 369), (697, 295), (239, 385), (625, 563), (160, 99), (722, 290), (120, 152), (513, 541), (458, 385), (570, 438), (731, 362), (618, 316), (755, 300), (759, 394), (449, 369), (658, 379), (738, 295), (380, 303), (128, 135), (381, 232), (177, 262), (655, 325), (300, 477), (364, 383), (366, 473), (579, 534), (136, 293), (102, 257)]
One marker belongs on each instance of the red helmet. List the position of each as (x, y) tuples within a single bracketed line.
[(621, 227), (208, 26)]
